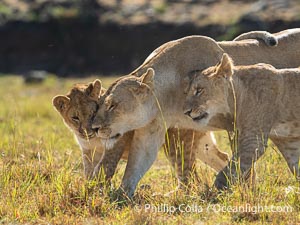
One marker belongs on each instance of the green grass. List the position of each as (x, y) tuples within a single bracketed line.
[(41, 175)]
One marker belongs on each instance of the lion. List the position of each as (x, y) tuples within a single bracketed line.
[(77, 109), (258, 102), (159, 83)]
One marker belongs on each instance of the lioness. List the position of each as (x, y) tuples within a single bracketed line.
[(265, 102), (77, 109), (172, 62)]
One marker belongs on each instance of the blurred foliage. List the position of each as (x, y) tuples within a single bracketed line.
[(73, 36), (142, 11)]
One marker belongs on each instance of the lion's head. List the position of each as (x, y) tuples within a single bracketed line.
[(208, 92), (79, 106), (126, 105)]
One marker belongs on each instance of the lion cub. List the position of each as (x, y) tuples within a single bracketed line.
[(77, 109), (259, 101)]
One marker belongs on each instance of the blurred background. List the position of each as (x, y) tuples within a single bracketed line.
[(74, 38)]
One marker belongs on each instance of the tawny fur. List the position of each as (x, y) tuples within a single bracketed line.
[(95, 152), (77, 109), (268, 38), (98, 155), (172, 63), (265, 102)]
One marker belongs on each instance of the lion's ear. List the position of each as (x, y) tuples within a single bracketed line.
[(148, 77), (97, 89), (94, 89), (143, 84), (225, 67), (61, 103), (103, 90)]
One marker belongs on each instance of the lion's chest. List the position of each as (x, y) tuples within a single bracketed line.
[(286, 129), (92, 144)]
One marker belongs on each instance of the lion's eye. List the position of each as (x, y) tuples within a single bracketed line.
[(75, 119), (198, 91), (111, 107)]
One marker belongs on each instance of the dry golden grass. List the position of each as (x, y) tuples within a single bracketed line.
[(41, 176)]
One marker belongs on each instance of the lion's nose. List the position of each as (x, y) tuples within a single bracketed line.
[(96, 126), (188, 112), (95, 130)]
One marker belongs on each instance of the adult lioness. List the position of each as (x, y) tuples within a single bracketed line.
[(77, 109), (263, 101), (172, 62)]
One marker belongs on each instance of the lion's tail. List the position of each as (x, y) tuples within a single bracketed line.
[(267, 37)]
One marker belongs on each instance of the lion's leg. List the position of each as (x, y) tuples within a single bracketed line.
[(180, 150), (251, 145), (90, 158), (209, 153), (290, 150), (106, 167), (87, 163), (145, 145), (108, 164), (193, 144)]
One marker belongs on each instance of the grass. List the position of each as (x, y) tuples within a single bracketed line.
[(41, 175)]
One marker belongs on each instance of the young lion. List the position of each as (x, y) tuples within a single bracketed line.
[(265, 102), (77, 109)]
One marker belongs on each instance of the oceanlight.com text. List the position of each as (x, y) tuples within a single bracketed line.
[(216, 208)]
